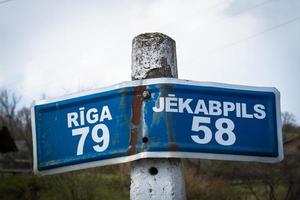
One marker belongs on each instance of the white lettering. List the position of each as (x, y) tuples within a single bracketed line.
[(214, 108), (184, 105), (72, 118), (244, 112), (161, 106), (105, 114), (81, 112), (227, 107), (260, 113), (201, 107), (171, 104), (92, 118), (238, 109)]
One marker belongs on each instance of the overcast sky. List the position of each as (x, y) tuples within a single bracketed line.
[(56, 47)]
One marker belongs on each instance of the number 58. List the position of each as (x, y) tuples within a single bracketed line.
[(221, 131)]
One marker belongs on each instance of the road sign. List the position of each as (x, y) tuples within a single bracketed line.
[(157, 118)]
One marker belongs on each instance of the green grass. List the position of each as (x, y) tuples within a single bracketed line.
[(78, 185), (109, 184)]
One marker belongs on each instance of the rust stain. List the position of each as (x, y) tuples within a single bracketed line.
[(171, 146), (137, 103), (133, 141)]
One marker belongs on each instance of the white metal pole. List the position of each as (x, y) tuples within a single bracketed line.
[(154, 56)]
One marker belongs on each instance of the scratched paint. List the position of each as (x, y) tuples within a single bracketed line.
[(136, 126)]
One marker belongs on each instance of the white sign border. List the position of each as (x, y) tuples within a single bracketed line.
[(163, 154)]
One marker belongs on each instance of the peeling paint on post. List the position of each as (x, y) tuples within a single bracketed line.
[(154, 56)]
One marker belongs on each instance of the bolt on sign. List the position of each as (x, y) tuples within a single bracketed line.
[(156, 118)]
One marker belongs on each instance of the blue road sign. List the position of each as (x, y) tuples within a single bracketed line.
[(157, 118)]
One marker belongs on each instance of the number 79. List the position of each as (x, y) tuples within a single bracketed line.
[(84, 131)]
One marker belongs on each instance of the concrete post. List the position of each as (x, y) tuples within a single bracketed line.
[(154, 56)]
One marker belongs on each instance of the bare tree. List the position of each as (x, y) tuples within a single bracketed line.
[(288, 122), (17, 120)]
